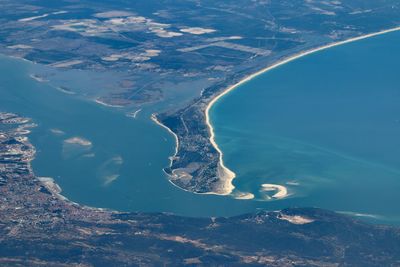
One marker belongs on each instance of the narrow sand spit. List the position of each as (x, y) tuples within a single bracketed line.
[(226, 175)]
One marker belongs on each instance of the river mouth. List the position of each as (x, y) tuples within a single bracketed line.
[(102, 158), (98, 155), (319, 131)]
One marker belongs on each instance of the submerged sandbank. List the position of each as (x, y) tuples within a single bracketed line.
[(78, 141)]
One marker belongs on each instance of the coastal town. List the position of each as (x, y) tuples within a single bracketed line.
[(40, 227), (149, 57), (163, 65)]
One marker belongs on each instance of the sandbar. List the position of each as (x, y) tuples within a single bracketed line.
[(78, 141), (244, 196), (98, 101), (282, 191)]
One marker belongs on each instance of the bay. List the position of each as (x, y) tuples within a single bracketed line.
[(325, 126)]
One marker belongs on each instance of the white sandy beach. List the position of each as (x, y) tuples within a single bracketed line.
[(224, 173), (154, 118), (228, 175)]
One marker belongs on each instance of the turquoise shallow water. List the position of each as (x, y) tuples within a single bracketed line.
[(326, 126), (122, 169)]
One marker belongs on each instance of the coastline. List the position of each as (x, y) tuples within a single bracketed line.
[(154, 118), (230, 175), (156, 121)]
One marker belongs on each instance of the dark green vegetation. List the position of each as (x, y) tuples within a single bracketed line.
[(38, 227)]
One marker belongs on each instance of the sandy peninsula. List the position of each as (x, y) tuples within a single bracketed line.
[(226, 175), (223, 173)]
